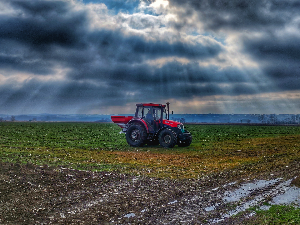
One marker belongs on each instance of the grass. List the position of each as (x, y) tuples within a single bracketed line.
[(277, 214), (95, 146)]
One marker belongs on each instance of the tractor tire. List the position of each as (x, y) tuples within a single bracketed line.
[(136, 135), (167, 138), (184, 143)]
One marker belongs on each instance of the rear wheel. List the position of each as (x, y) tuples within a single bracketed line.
[(136, 135), (167, 138)]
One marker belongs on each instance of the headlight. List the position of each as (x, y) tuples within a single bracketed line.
[(181, 127)]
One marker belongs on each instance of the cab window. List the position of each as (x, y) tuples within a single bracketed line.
[(140, 112), (148, 113), (156, 113)]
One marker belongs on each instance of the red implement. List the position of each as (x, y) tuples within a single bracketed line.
[(121, 120)]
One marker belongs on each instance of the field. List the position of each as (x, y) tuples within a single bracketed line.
[(218, 153), (94, 146)]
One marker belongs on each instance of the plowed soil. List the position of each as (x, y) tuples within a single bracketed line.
[(31, 194)]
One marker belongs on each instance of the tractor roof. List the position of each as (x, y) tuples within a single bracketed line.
[(150, 104)]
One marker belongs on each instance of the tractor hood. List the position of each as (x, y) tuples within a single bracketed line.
[(171, 123)]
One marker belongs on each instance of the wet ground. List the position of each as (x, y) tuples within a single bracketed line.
[(39, 194)]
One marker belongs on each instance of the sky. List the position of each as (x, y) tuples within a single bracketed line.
[(103, 57)]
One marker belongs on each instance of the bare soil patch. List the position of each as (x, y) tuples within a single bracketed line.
[(31, 194)]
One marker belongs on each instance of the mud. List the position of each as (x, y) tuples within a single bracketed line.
[(32, 194)]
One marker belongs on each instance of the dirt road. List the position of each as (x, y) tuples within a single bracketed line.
[(39, 194)]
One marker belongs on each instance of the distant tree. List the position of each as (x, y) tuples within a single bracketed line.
[(13, 118), (1, 119), (245, 120), (273, 119), (293, 119), (261, 118)]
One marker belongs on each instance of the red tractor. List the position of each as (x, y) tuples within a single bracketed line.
[(151, 125)]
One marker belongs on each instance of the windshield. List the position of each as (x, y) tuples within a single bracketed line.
[(151, 112)]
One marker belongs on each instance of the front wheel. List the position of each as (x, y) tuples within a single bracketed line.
[(167, 138), (136, 136), (184, 143)]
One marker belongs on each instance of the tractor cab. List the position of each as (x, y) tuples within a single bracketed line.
[(152, 114)]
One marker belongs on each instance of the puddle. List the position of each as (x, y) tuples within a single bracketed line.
[(229, 184), (258, 192), (265, 207), (290, 196), (246, 189), (210, 208), (172, 202), (129, 215)]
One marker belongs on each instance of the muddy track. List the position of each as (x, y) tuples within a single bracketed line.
[(40, 194)]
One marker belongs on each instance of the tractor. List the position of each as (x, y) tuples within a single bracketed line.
[(151, 125)]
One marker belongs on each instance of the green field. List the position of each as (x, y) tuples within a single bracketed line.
[(96, 146), (228, 150)]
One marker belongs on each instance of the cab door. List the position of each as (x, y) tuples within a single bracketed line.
[(157, 118), (149, 118)]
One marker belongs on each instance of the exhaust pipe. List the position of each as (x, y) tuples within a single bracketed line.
[(168, 108)]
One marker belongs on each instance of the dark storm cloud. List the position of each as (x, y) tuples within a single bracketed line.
[(106, 67), (29, 41), (43, 23), (54, 95), (237, 14), (54, 23), (113, 44), (172, 72), (53, 32), (85, 92), (45, 8), (20, 63), (172, 80), (37, 34), (274, 49), (30, 93), (113, 91), (285, 75), (279, 57)]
